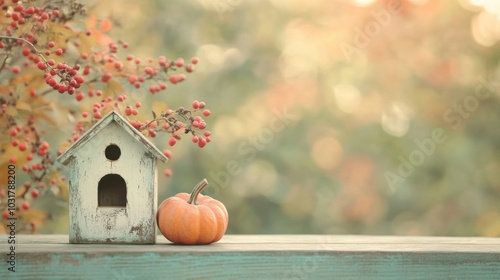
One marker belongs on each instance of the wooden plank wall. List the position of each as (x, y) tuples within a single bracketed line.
[(258, 257)]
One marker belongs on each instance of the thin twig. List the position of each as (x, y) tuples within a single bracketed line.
[(27, 42)]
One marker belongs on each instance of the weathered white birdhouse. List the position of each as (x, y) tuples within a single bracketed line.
[(112, 184)]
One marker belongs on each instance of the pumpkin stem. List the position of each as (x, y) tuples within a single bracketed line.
[(196, 191)]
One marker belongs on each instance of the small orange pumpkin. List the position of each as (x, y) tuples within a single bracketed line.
[(192, 219)]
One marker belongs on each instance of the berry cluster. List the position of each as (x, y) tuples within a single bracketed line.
[(38, 17), (175, 122), (69, 81), (42, 53)]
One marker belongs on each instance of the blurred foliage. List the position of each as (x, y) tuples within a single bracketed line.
[(357, 105)]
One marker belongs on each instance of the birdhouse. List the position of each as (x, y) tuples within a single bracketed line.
[(112, 184)]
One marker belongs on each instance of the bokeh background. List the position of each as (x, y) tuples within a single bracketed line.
[(324, 113)]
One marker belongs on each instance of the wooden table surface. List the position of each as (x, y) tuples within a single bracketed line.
[(259, 256)]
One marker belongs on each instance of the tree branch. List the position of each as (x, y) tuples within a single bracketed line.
[(27, 42)]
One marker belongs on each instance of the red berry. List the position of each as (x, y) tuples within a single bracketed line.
[(202, 142), (148, 70), (79, 96), (12, 159), (44, 16), (106, 77), (168, 172), (15, 142), (22, 147), (86, 70), (59, 52), (25, 205), (51, 44), (138, 104), (41, 65), (207, 133), (195, 139), (132, 79), (194, 60), (13, 132), (5, 214), (206, 113), (202, 105), (73, 82), (34, 193), (79, 79), (153, 125), (202, 125), (173, 79), (97, 115), (172, 141), (16, 69), (128, 111), (44, 145), (26, 51), (85, 114), (118, 65), (167, 153), (29, 157), (196, 104), (179, 62)]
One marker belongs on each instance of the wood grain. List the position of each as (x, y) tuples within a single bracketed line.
[(259, 256), (113, 182)]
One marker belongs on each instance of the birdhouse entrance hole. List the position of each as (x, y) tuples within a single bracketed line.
[(112, 191), (112, 152)]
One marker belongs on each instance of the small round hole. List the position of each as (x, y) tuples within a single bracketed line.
[(112, 152)]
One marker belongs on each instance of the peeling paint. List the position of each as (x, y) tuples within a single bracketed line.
[(137, 229), (134, 223)]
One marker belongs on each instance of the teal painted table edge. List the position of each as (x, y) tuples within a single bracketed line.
[(258, 257)]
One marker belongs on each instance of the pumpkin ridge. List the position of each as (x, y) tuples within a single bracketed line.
[(189, 225), (208, 225)]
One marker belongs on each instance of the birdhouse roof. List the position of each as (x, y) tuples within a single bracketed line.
[(99, 126)]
